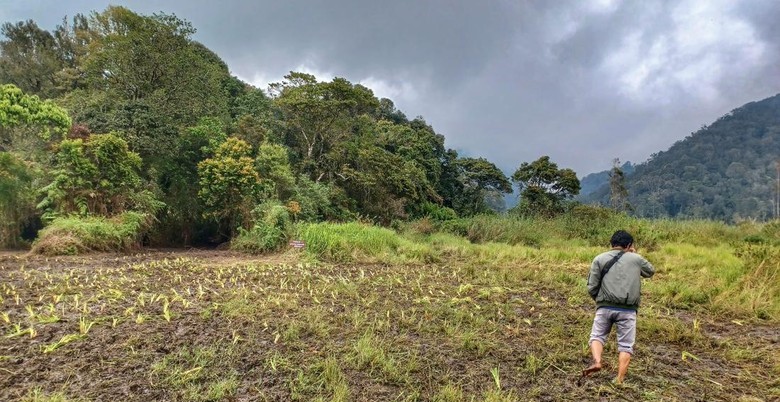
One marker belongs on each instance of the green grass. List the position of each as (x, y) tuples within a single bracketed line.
[(197, 374), (701, 264), (270, 232), (37, 395), (347, 242)]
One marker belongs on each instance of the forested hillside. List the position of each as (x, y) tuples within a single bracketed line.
[(120, 116), (725, 171)]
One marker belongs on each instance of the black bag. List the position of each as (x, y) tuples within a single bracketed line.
[(605, 270)]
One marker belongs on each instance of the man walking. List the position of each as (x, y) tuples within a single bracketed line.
[(614, 282)]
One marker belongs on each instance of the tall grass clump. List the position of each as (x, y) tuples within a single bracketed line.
[(594, 225), (423, 227), (699, 232), (512, 230), (271, 230), (72, 235), (768, 234), (757, 291), (692, 276), (344, 242)]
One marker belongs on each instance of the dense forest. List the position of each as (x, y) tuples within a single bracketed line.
[(123, 118), (724, 171), (120, 126)]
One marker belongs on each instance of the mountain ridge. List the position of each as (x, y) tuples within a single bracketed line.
[(724, 171)]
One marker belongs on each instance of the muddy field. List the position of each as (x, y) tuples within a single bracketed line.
[(216, 325)]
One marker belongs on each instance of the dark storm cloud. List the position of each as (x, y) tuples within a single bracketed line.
[(583, 82)]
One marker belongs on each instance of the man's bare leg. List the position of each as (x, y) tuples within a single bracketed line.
[(596, 348), (624, 358)]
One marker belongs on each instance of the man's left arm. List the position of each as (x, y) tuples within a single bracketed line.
[(594, 278)]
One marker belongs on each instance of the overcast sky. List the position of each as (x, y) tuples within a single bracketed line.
[(581, 81)]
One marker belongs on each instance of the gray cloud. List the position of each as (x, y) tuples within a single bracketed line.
[(583, 82)]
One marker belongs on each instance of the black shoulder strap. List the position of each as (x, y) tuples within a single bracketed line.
[(605, 269), (610, 263)]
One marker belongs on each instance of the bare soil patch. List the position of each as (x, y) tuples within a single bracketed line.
[(218, 325)]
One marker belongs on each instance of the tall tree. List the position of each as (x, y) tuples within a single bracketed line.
[(382, 185), (177, 180), (544, 186), (618, 198), (99, 176), (29, 58), (17, 198), (481, 181), (28, 127), (146, 78), (419, 144), (273, 164), (229, 185), (317, 117)]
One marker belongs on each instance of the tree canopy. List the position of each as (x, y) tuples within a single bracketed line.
[(19, 109), (143, 109), (544, 187)]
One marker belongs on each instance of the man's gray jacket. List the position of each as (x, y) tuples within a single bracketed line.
[(622, 285)]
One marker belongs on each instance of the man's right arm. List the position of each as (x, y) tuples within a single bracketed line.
[(646, 269)]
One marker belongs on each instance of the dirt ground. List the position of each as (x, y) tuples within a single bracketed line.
[(218, 325)]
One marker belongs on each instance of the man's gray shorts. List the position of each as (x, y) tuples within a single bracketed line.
[(626, 327)]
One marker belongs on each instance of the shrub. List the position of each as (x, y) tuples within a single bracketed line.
[(422, 226), (437, 212), (72, 235), (319, 201), (458, 227), (271, 230), (99, 176), (229, 184), (510, 229)]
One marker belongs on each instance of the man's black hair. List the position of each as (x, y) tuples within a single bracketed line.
[(621, 238)]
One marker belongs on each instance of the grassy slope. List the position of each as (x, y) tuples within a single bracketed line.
[(415, 317)]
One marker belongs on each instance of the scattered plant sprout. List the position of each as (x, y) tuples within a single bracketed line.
[(481, 307), (62, 342), (166, 310), (496, 377), (688, 355), (17, 331)]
